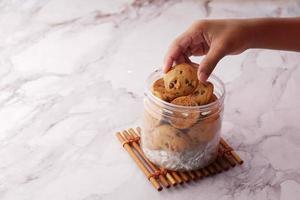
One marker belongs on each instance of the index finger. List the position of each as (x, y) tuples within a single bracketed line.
[(177, 48)]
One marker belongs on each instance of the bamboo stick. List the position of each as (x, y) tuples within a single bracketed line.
[(171, 179), (217, 167), (230, 160), (223, 163), (211, 169), (184, 176), (227, 157), (168, 175), (192, 175), (135, 133), (198, 174), (177, 177), (205, 171), (153, 181), (233, 153), (152, 167)]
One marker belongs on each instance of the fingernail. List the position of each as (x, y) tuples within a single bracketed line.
[(202, 77)]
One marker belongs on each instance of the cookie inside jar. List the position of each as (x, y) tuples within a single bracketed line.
[(181, 123)]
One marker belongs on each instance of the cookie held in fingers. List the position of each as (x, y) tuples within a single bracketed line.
[(181, 79), (185, 118), (159, 90), (203, 93)]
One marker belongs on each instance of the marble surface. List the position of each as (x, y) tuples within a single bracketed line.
[(72, 73)]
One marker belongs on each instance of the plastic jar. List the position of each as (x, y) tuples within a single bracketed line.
[(180, 137)]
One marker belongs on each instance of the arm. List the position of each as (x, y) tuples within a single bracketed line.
[(275, 33), (218, 38)]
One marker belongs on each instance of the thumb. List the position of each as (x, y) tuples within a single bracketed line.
[(209, 62)]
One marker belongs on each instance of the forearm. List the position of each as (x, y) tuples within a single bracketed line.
[(274, 33)]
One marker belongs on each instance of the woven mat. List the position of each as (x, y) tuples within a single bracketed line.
[(130, 139)]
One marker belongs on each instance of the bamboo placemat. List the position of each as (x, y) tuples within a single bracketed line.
[(130, 139)]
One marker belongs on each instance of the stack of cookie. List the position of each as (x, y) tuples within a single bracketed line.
[(180, 86), (181, 137)]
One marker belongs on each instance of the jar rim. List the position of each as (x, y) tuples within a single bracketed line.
[(167, 105)]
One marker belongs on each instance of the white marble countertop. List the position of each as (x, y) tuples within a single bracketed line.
[(72, 74)]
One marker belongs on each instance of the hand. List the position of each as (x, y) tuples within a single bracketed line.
[(213, 38)]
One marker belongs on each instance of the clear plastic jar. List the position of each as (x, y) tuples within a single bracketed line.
[(179, 137)]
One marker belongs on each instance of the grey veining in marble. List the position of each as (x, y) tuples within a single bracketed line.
[(72, 73)]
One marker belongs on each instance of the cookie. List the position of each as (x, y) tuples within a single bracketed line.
[(203, 93), (213, 98), (205, 131), (166, 137), (184, 119), (184, 101), (214, 111), (181, 80), (159, 90), (150, 120)]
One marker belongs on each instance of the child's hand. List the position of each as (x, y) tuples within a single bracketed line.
[(213, 38)]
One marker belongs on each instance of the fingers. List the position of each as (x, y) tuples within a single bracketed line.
[(168, 63), (176, 51), (209, 62), (182, 59)]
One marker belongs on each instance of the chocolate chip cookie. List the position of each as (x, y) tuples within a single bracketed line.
[(159, 90), (184, 119), (181, 80), (213, 98), (166, 137), (203, 93), (205, 130)]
